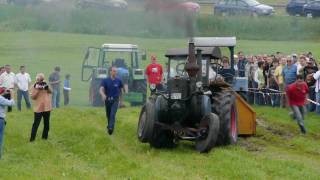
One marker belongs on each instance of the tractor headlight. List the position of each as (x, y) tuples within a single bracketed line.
[(199, 84)]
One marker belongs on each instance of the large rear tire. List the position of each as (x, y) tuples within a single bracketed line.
[(146, 123), (212, 125), (224, 106)]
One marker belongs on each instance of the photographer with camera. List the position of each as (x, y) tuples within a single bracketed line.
[(7, 81), (3, 103), (41, 94)]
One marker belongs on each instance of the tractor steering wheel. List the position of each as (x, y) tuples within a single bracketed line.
[(216, 67), (180, 68)]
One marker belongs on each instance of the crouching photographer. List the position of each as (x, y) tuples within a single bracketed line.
[(41, 95), (3, 103)]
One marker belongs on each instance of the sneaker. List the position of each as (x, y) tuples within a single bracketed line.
[(303, 129), (110, 131)]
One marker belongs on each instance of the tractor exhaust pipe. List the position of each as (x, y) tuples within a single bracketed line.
[(191, 66)]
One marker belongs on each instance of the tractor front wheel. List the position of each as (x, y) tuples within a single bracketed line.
[(146, 122), (209, 133)]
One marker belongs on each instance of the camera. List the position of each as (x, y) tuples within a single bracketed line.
[(41, 86)]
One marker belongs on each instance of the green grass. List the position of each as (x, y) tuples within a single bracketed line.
[(78, 148)]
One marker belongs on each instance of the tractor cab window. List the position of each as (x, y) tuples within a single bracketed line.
[(176, 68), (120, 58)]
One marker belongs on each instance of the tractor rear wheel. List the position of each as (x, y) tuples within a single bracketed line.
[(224, 106), (146, 122), (211, 125)]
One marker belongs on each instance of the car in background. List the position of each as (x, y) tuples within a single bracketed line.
[(295, 7), (312, 9), (242, 7), (102, 4), (171, 6)]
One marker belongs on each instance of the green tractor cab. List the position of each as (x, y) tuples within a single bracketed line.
[(98, 61)]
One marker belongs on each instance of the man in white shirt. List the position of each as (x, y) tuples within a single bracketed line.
[(23, 81), (7, 81), (316, 76)]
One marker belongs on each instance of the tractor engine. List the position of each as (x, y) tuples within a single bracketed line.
[(173, 108)]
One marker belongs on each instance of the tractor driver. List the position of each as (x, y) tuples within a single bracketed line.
[(154, 73)]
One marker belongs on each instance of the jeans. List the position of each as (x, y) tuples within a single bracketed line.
[(25, 95), (66, 97), (298, 114), (312, 96), (318, 101), (111, 105), (2, 125), (36, 123), (55, 98)]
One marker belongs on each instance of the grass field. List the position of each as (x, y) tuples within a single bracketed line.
[(78, 147), (40, 52)]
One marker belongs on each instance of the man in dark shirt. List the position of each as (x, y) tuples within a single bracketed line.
[(241, 64), (111, 89), (308, 72), (54, 80)]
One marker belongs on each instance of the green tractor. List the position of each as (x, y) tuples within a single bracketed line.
[(195, 106), (98, 61)]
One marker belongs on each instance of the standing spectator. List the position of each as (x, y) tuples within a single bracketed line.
[(3, 102), (294, 58), (54, 80), (259, 79), (66, 89), (23, 81), (266, 74), (242, 61), (308, 72), (41, 93), (279, 80), (2, 70), (289, 72), (297, 93), (301, 64), (251, 68), (316, 76), (7, 80), (273, 85), (110, 91), (154, 73)]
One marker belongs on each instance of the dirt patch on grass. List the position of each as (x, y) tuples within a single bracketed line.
[(279, 131), (251, 146)]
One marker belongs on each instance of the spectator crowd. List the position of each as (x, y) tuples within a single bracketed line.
[(269, 76)]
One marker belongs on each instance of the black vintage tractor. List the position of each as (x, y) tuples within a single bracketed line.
[(197, 105), (98, 61)]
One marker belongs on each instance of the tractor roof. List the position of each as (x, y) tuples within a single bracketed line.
[(213, 52), (120, 46), (215, 41)]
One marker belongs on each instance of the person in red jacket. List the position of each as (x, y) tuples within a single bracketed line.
[(154, 73), (297, 93)]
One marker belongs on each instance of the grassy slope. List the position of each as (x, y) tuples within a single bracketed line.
[(42, 51), (79, 148)]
